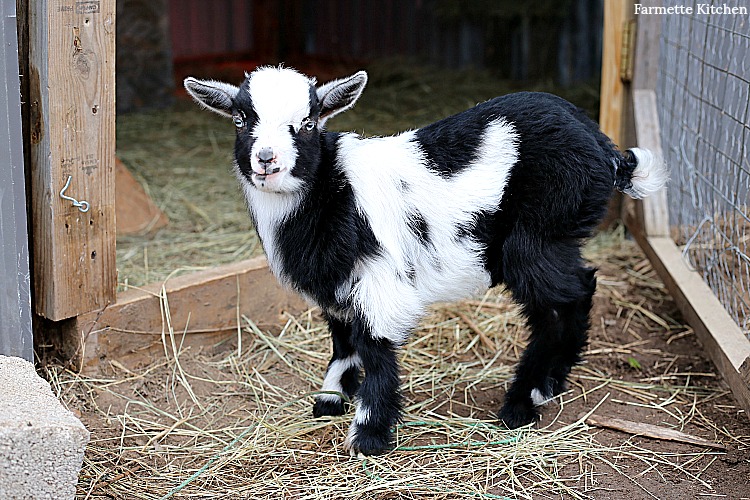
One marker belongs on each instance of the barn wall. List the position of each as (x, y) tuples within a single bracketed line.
[(200, 28), (560, 39)]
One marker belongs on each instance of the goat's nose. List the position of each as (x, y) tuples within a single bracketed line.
[(265, 156)]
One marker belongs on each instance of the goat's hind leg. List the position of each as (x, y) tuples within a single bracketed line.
[(342, 375), (575, 338), (555, 291)]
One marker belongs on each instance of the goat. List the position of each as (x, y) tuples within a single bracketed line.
[(373, 230)]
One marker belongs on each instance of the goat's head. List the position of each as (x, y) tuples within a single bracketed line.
[(279, 115)]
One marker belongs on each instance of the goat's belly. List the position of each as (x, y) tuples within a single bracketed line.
[(457, 281), (393, 299)]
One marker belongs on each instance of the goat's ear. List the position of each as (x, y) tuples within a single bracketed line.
[(340, 95), (212, 95)]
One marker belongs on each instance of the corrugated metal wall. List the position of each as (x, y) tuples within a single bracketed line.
[(214, 27), (369, 29), (563, 43)]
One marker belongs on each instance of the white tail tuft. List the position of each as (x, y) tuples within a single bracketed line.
[(649, 176)]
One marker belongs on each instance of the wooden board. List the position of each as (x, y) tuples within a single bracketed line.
[(655, 211), (613, 109), (654, 208), (719, 335), (205, 306), (71, 132), (136, 211)]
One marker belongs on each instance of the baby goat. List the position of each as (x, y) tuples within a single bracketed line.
[(373, 230)]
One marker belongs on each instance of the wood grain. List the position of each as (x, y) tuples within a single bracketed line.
[(648, 133), (651, 431), (721, 338), (613, 91), (71, 79), (204, 306)]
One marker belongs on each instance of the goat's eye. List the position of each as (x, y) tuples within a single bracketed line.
[(239, 120), (308, 124)]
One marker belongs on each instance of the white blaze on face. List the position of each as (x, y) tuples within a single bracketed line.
[(281, 99)]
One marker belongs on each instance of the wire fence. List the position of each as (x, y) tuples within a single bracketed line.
[(703, 92)]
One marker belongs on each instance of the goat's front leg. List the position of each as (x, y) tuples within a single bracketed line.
[(379, 396), (342, 375)]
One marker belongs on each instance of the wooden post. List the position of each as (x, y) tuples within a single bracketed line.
[(614, 110), (71, 86), (613, 90)]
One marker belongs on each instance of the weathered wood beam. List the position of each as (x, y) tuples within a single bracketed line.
[(71, 135), (204, 307)]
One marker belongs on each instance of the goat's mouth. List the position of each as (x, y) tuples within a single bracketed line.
[(270, 180), (268, 173)]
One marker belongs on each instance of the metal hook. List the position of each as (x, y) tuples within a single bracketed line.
[(82, 205)]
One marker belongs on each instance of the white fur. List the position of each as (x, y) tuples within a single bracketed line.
[(351, 438), (281, 98), (269, 211), (391, 180), (539, 398), (361, 417), (650, 175), (335, 371)]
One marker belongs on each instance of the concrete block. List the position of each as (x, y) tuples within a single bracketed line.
[(41, 443)]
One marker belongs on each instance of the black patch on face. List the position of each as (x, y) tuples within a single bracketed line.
[(308, 143), (419, 227), (243, 144), (314, 104)]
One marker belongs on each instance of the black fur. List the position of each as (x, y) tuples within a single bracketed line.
[(341, 334), (452, 144), (419, 227), (243, 145), (556, 194), (326, 236), (380, 391)]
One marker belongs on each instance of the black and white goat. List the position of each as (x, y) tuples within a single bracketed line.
[(373, 230)]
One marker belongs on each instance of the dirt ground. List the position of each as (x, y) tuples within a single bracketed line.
[(235, 422)]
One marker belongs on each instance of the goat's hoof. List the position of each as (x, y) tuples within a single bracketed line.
[(515, 415), (368, 442), (328, 407)]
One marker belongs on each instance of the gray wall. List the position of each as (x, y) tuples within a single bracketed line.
[(15, 284)]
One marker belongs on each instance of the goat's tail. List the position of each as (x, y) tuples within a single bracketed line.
[(640, 173)]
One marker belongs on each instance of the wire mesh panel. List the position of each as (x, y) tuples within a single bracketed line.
[(703, 91)]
